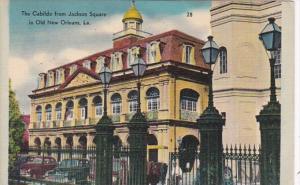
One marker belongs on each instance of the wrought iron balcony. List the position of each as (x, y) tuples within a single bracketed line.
[(79, 122), (67, 123), (152, 115), (47, 124), (56, 123), (129, 116), (188, 115), (36, 124), (115, 118), (93, 121)]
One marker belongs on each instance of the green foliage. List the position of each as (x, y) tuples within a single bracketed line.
[(16, 127)]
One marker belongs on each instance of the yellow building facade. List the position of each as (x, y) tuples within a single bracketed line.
[(68, 102)]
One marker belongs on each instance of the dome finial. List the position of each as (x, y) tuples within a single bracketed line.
[(132, 2)]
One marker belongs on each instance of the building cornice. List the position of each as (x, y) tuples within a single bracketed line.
[(90, 128), (178, 69)]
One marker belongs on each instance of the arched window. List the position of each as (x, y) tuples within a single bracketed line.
[(132, 99), (48, 112), (116, 101), (223, 60), (188, 100), (58, 111), (83, 108), (38, 113), (69, 110), (152, 99), (98, 106)]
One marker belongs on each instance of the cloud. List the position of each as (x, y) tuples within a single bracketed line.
[(24, 71)]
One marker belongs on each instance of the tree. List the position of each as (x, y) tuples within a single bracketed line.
[(16, 127)]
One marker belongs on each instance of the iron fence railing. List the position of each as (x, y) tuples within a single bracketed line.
[(240, 166)]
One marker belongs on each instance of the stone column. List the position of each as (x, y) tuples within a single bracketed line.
[(210, 126), (138, 131), (75, 111), (90, 109), (269, 119)]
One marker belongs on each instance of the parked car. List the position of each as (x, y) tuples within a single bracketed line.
[(15, 170), (119, 174), (70, 171), (37, 166)]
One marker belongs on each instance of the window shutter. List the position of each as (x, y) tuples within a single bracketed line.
[(158, 55), (192, 57), (183, 53)]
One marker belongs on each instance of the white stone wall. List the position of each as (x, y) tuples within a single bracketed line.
[(243, 90)]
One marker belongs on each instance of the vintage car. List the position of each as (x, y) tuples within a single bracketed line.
[(37, 166), (119, 173), (72, 171)]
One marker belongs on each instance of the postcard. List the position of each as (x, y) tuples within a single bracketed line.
[(150, 92)]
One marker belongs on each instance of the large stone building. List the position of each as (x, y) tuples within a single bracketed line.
[(68, 101), (242, 74)]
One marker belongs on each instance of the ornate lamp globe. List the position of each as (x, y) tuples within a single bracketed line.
[(139, 67), (105, 75), (271, 35), (210, 51)]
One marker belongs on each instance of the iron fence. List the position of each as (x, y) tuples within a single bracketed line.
[(240, 166), (67, 166)]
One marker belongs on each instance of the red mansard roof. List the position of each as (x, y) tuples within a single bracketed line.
[(163, 37)]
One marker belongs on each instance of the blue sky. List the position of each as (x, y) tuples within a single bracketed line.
[(38, 48)]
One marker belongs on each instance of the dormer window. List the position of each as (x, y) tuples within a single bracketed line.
[(57, 76), (87, 64), (49, 79), (116, 61), (132, 55), (153, 52), (73, 68), (100, 63), (42, 80)]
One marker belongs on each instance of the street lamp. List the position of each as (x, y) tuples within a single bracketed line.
[(271, 39), (139, 67), (210, 52), (104, 137), (210, 124), (269, 117), (105, 76)]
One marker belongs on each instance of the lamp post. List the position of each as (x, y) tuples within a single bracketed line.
[(104, 137), (138, 131), (210, 125), (269, 117)]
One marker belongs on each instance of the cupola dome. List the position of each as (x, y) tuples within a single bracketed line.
[(132, 13)]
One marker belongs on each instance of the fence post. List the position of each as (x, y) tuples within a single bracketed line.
[(210, 126), (104, 155), (269, 120), (138, 130)]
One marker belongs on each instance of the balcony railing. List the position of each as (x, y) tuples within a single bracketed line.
[(67, 123), (93, 121), (131, 31), (151, 115), (47, 124), (79, 122), (189, 115), (115, 118), (56, 123), (129, 116), (36, 124)]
